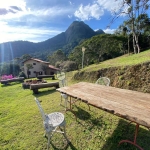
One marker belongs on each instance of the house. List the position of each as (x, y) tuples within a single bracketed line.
[(38, 67)]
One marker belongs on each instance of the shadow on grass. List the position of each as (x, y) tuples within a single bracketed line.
[(10, 84), (68, 146), (45, 92), (125, 131), (81, 113)]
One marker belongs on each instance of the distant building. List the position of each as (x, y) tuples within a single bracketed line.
[(39, 67)]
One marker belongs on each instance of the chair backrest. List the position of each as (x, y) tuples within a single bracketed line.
[(48, 127), (103, 81), (41, 109), (63, 82), (61, 76)]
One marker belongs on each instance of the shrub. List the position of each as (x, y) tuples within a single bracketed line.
[(22, 74), (5, 77)]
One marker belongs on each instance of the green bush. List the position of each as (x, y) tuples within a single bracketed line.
[(22, 74)]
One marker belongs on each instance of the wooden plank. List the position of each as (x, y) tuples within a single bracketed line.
[(131, 105)]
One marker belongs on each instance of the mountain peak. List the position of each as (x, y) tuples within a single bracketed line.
[(78, 30), (99, 31)]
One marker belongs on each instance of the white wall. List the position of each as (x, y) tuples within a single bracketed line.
[(36, 68)]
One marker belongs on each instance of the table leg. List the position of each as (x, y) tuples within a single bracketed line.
[(133, 142), (70, 108)]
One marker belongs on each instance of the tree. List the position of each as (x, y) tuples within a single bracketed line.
[(135, 9), (29, 66), (67, 66), (99, 48), (44, 67), (10, 68), (57, 56), (124, 31), (25, 57), (76, 55)]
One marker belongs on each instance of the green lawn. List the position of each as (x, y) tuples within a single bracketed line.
[(21, 126)]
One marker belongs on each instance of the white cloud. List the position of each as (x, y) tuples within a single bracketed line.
[(14, 9), (52, 12), (110, 6), (97, 9), (88, 12), (114, 6), (14, 25), (111, 31), (25, 33), (26, 11), (7, 3)]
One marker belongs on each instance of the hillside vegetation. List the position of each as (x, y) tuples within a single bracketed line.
[(124, 60), (128, 71)]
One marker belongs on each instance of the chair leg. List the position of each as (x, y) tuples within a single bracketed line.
[(45, 134), (64, 133), (64, 97), (66, 101), (48, 144), (60, 99)]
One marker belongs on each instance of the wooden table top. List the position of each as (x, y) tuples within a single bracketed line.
[(128, 104)]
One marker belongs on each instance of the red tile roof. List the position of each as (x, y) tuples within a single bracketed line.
[(52, 67), (38, 60)]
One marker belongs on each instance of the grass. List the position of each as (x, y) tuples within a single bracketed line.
[(21, 125), (124, 60)]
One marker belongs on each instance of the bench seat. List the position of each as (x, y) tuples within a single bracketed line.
[(35, 87)]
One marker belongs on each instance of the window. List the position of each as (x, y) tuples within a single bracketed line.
[(34, 63)]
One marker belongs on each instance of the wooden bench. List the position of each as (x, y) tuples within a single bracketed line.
[(46, 76), (21, 79), (35, 87), (27, 83)]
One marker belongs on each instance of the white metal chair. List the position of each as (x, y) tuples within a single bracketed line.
[(51, 122), (103, 81), (63, 82)]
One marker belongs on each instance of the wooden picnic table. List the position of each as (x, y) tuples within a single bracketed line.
[(131, 105)]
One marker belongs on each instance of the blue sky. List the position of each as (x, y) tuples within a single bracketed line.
[(39, 20)]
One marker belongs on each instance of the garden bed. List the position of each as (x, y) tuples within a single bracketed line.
[(27, 83)]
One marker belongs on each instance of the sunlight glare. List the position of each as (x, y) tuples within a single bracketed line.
[(2, 53)]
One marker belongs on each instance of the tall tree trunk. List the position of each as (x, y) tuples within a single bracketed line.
[(137, 43), (129, 44), (134, 46)]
